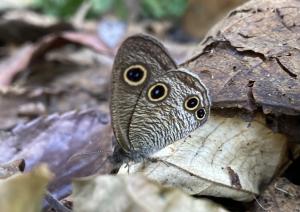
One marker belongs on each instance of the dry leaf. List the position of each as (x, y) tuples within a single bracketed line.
[(54, 139), (226, 157), (28, 26), (250, 59), (133, 193), (280, 196), (30, 53), (24, 192)]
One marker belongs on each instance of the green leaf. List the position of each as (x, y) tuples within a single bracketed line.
[(101, 6), (164, 9)]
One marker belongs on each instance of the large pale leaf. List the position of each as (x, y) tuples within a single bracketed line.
[(227, 157), (133, 193), (24, 192)]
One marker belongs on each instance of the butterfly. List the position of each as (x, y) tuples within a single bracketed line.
[(154, 102)]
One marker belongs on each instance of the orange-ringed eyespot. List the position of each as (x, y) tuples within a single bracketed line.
[(135, 75), (157, 92), (200, 114)]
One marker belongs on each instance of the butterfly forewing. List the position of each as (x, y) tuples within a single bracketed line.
[(139, 60)]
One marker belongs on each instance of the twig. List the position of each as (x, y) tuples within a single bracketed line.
[(260, 205), (55, 204)]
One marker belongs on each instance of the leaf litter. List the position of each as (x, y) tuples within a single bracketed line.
[(54, 105)]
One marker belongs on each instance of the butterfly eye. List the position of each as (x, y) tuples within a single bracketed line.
[(200, 114), (157, 92), (135, 75), (191, 103)]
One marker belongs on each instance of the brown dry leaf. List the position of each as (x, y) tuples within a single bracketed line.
[(280, 196), (15, 103), (30, 53), (24, 192), (251, 58), (227, 157), (9, 169), (133, 193), (28, 26), (54, 139), (53, 86)]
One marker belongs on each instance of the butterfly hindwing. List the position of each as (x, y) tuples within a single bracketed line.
[(156, 122)]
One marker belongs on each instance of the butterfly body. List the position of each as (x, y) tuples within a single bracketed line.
[(154, 103)]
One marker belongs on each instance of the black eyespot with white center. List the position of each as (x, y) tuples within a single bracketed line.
[(191, 103), (135, 75), (200, 114), (157, 92)]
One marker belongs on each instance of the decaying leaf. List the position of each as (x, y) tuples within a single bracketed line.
[(280, 196), (227, 157), (55, 139), (9, 169), (133, 193), (24, 192)]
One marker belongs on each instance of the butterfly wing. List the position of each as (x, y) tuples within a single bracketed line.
[(139, 60), (155, 124)]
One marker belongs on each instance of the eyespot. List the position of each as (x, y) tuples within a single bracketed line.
[(200, 114), (157, 92), (191, 103), (135, 75)]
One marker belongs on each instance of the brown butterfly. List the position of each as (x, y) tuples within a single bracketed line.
[(154, 103)]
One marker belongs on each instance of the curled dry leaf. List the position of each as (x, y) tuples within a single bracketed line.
[(133, 193), (251, 60), (24, 192), (9, 169), (226, 157), (281, 195)]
